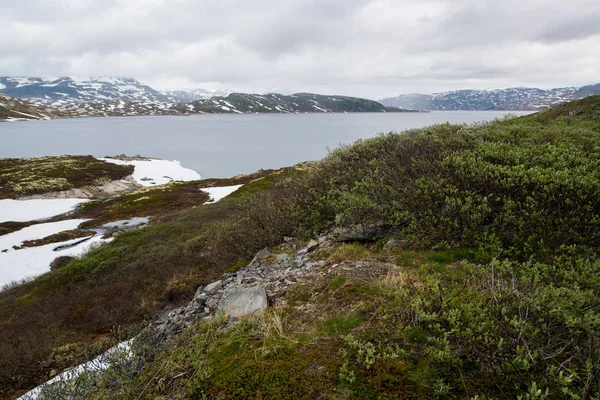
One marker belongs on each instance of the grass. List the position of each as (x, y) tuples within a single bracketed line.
[(348, 252), (153, 267), (28, 176), (339, 324)]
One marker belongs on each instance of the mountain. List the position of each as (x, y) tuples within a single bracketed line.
[(12, 109), (242, 103), (186, 96), (67, 91), (110, 96), (123, 108), (513, 99)]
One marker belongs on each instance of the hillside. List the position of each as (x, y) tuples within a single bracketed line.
[(12, 109), (110, 96), (512, 99), (58, 92), (278, 103), (453, 261)]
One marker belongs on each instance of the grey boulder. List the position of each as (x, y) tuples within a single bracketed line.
[(243, 301)]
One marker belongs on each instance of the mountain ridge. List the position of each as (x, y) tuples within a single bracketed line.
[(509, 99)]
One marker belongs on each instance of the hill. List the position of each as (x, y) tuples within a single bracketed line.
[(512, 99), (278, 103), (453, 261), (12, 109)]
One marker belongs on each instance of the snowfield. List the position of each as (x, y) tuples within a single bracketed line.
[(33, 210), (157, 172), (217, 193), (29, 262), (38, 231)]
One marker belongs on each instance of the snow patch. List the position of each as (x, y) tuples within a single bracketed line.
[(33, 261), (38, 231), (218, 193), (32, 210), (103, 361), (157, 172)]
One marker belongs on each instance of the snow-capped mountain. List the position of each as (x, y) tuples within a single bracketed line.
[(495, 99), (64, 91), (186, 96)]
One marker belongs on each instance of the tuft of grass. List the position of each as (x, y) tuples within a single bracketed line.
[(446, 257), (337, 282), (340, 324), (348, 252)]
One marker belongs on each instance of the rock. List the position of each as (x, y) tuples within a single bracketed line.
[(395, 245), (260, 255), (199, 292), (60, 262), (312, 245), (359, 233), (213, 287), (243, 301)]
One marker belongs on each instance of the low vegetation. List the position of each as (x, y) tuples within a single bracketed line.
[(494, 297), (28, 176)]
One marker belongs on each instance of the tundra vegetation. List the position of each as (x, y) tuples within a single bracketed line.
[(494, 293)]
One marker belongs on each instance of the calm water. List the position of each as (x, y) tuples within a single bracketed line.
[(215, 145)]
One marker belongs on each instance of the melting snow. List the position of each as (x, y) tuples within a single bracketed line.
[(157, 172), (32, 261), (217, 193), (103, 361), (38, 231), (31, 210)]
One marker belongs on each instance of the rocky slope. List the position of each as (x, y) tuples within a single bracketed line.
[(12, 109), (287, 104), (496, 99)]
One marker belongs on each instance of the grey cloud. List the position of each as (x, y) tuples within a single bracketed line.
[(370, 48)]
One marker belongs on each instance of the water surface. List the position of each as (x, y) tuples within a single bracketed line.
[(216, 145)]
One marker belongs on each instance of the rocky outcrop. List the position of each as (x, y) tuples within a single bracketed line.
[(360, 232), (250, 290)]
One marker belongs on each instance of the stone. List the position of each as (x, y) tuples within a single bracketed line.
[(213, 287), (312, 245), (359, 233), (199, 292), (395, 245), (259, 256), (243, 301)]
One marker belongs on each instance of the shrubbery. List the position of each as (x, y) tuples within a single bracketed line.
[(517, 196)]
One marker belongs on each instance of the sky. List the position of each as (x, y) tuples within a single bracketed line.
[(368, 48)]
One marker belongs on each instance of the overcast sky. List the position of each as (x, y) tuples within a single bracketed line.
[(355, 47)]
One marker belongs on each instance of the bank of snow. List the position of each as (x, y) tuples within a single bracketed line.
[(103, 361), (32, 210), (38, 231), (29, 262), (218, 193), (157, 172)]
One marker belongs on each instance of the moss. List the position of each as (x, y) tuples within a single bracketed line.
[(28, 176)]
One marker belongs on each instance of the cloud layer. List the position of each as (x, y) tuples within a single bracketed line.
[(371, 48)]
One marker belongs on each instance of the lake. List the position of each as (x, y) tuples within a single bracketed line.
[(216, 145)]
